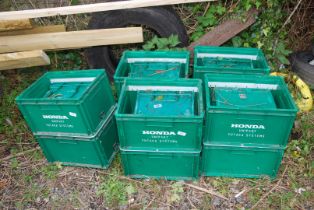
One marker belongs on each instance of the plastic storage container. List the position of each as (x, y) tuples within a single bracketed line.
[(237, 161), (248, 110), (72, 102), (161, 165), (231, 60), (152, 65), (175, 129), (95, 151), (161, 103)]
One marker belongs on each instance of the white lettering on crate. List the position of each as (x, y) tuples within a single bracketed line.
[(73, 114), (181, 133), (249, 126), (59, 117), (164, 133)]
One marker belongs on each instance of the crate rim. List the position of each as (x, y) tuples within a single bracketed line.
[(193, 83), (154, 151), (184, 54), (20, 98), (276, 79), (266, 68), (247, 146)]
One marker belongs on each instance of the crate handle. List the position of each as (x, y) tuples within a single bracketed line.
[(48, 108), (248, 119), (67, 142), (160, 157), (159, 125), (243, 152)]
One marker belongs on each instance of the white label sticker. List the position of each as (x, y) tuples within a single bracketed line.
[(181, 133), (72, 114), (156, 106)]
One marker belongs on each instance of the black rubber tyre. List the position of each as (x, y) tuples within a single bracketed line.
[(162, 20), (300, 63), (313, 49)]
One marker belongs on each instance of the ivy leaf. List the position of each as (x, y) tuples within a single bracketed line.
[(258, 4), (247, 5), (283, 59), (260, 44), (246, 44), (220, 10), (266, 31), (237, 41)]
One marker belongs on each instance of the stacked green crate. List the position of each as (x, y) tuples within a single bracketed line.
[(228, 60), (160, 128), (248, 122), (71, 114), (167, 65)]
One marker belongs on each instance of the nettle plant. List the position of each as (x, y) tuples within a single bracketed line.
[(157, 43)]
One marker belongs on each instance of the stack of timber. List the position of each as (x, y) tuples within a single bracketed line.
[(24, 44)]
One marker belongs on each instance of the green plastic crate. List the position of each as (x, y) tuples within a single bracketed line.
[(73, 102), (243, 162), (96, 151), (167, 132), (161, 165), (208, 59), (151, 64), (255, 110), (158, 103)]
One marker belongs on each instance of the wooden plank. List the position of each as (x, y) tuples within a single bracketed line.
[(225, 31), (35, 30), (23, 59), (87, 8), (8, 25), (70, 40)]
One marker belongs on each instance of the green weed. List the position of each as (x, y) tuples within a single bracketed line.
[(115, 191), (176, 192), (169, 43), (50, 171)]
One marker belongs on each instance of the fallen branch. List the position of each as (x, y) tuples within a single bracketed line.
[(271, 190), (19, 154), (292, 13), (206, 191)]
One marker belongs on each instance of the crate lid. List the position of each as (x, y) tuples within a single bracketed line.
[(155, 70), (243, 98), (158, 103), (65, 90), (227, 62)]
